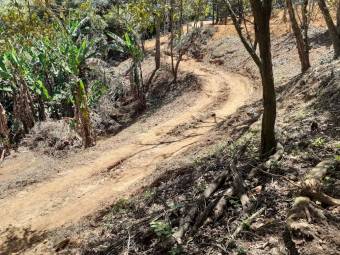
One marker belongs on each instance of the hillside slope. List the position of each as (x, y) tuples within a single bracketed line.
[(309, 134), (116, 167)]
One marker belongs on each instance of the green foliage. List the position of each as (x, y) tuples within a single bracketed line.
[(121, 206), (149, 194), (98, 89), (241, 251), (319, 142), (176, 250), (162, 229)]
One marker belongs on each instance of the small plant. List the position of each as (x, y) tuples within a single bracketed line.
[(149, 194), (176, 250), (241, 251), (162, 229), (246, 225), (319, 142), (274, 164), (121, 205)]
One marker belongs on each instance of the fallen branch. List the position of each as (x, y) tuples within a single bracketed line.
[(222, 202), (185, 222), (209, 191), (245, 223)]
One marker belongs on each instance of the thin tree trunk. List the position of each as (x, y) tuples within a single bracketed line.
[(262, 14), (83, 117), (172, 35), (331, 28), (338, 17), (23, 106), (181, 19), (217, 14), (4, 134), (213, 12), (240, 11), (305, 27), (158, 43), (4, 130), (300, 42)]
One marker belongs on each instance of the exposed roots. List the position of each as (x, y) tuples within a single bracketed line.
[(304, 211)]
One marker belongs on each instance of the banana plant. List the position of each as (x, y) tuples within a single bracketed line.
[(76, 55), (14, 71), (130, 45)]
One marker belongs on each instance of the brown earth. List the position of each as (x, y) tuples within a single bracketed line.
[(85, 182)]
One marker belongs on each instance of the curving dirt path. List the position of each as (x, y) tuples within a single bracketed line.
[(88, 181)]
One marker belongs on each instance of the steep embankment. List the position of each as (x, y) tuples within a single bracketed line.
[(118, 166)]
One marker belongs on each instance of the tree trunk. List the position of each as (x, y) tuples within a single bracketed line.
[(217, 14), (262, 14), (213, 12), (82, 115), (303, 49), (181, 19), (4, 133), (158, 43), (240, 11), (4, 130), (335, 37), (172, 35), (23, 106), (338, 17)]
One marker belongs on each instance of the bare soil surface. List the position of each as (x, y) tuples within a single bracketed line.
[(77, 204), (85, 182)]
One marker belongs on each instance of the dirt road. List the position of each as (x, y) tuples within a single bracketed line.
[(87, 181)]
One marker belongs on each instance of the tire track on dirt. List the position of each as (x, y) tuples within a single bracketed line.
[(80, 190)]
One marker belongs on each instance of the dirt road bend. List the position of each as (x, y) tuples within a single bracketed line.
[(87, 181)]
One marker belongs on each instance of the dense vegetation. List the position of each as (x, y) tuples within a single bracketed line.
[(45, 46)]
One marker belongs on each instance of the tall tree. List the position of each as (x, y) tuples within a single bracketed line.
[(301, 38), (158, 43), (261, 10), (333, 31)]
